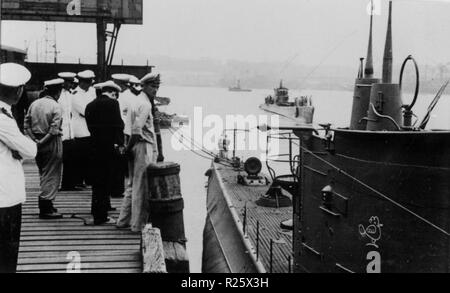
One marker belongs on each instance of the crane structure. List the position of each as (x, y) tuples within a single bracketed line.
[(100, 12)]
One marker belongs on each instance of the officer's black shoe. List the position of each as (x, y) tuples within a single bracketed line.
[(81, 187), (55, 210), (47, 211), (50, 216)]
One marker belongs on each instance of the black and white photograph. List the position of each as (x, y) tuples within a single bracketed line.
[(202, 138)]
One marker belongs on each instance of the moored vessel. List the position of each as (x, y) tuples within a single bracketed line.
[(374, 196), (301, 110), (369, 198), (238, 88)]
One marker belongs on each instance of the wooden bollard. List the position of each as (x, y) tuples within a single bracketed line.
[(153, 259), (166, 213)]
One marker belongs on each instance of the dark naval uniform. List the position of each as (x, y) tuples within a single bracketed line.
[(106, 127)]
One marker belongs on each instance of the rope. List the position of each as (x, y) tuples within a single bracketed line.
[(193, 142), (427, 117), (74, 216), (210, 156), (390, 164)]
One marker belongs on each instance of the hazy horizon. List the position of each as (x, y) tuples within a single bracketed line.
[(310, 33)]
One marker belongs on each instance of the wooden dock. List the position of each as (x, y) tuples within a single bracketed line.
[(56, 246)]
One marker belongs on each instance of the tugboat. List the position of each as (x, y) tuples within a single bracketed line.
[(301, 110), (238, 88), (370, 198)]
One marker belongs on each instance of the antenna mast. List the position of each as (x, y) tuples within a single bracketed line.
[(50, 42), (368, 72), (387, 60)]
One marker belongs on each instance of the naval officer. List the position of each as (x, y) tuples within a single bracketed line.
[(106, 127), (125, 94), (142, 150), (14, 147), (136, 90), (83, 95), (125, 98), (43, 123), (68, 182)]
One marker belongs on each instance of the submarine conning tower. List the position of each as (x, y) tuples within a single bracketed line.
[(363, 86), (385, 106)]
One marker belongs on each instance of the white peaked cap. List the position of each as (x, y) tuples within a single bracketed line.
[(151, 77), (107, 84), (121, 77), (14, 75), (87, 74), (67, 75), (134, 80), (52, 82)]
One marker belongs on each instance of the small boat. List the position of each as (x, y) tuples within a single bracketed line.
[(172, 120), (300, 110), (162, 101), (238, 88)]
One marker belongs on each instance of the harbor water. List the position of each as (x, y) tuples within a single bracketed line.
[(330, 107)]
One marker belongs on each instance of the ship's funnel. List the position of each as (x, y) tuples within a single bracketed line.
[(385, 107), (363, 85)]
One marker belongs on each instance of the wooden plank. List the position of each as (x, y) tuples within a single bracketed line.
[(31, 227), (103, 237), (55, 224), (84, 266), (93, 271), (88, 253), (88, 259), (34, 217), (45, 244), (133, 247), (77, 242), (152, 251)]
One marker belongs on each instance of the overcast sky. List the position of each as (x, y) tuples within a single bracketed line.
[(304, 31)]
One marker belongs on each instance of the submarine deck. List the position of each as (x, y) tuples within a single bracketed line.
[(242, 200)]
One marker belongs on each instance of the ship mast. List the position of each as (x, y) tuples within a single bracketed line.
[(368, 72), (387, 59)]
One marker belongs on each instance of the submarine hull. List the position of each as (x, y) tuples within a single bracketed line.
[(388, 211)]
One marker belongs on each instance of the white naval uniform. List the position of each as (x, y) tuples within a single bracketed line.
[(12, 183), (129, 119), (80, 100), (82, 136), (125, 100), (65, 101)]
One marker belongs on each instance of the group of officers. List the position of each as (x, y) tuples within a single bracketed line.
[(80, 133)]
